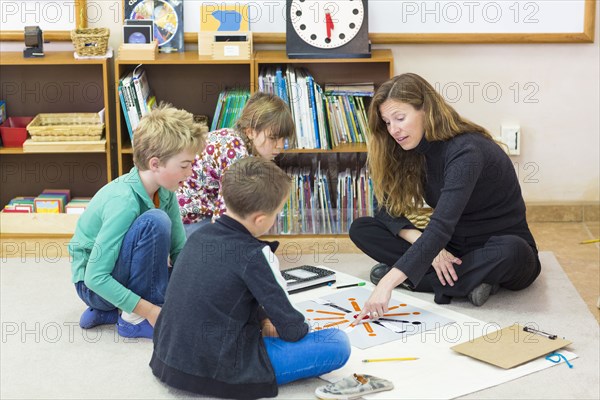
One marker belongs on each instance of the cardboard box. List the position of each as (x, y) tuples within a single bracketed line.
[(131, 51), (225, 45)]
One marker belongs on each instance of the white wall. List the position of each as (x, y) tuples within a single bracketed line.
[(551, 90)]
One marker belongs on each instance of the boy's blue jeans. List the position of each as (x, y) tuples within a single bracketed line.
[(317, 353), (142, 265)]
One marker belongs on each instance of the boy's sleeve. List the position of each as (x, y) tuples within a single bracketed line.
[(261, 281), (116, 221), (177, 231)]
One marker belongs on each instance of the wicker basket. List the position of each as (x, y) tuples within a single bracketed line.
[(90, 41), (66, 127)]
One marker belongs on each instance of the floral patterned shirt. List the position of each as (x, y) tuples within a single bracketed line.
[(200, 196)]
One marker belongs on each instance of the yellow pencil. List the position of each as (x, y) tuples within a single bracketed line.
[(368, 360), (590, 241)]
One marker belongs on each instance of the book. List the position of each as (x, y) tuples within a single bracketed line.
[(352, 89), (307, 277), (142, 89)]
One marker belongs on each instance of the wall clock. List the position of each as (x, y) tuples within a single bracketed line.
[(327, 29)]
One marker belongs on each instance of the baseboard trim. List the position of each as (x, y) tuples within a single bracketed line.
[(563, 212)]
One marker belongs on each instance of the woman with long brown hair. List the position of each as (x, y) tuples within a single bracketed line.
[(477, 239)]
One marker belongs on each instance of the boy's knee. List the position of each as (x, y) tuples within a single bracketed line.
[(340, 343), (157, 219)]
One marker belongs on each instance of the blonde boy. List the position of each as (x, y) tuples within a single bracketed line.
[(124, 239)]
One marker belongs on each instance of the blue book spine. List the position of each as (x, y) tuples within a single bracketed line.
[(280, 85), (311, 97), (125, 116)]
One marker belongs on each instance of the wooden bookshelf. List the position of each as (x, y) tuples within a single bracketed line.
[(55, 83), (185, 80), (377, 69)]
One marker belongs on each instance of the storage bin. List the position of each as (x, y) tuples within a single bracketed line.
[(14, 131), (62, 127), (90, 41)]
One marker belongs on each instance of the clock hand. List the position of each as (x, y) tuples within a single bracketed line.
[(328, 24)]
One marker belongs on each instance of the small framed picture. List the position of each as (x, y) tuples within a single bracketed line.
[(137, 34)]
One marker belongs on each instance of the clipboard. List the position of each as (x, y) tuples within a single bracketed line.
[(511, 346)]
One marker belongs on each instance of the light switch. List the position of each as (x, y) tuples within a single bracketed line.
[(511, 137)]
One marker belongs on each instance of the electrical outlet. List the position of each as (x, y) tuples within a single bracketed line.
[(511, 137)]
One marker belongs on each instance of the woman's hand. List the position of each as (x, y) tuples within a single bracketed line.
[(444, 267), (378, 302)]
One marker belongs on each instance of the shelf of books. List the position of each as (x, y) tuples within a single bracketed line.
[(329, 99), (185, 80), (51, 167)]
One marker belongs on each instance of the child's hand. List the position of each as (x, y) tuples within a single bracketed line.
[(147, 310), (153, 315), (268, 329)]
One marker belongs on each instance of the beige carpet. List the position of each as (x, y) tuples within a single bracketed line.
[(44, 353)]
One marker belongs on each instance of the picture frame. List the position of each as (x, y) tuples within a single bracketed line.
[(137, 34)]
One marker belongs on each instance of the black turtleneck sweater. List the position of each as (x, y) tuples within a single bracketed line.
[(474, 190)]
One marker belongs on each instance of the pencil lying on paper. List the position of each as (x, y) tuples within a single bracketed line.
[(368, 360), (590, 241)]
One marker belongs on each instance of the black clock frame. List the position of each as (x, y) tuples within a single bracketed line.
[(358, 47)]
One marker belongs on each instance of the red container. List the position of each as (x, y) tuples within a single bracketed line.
[(14, 131)]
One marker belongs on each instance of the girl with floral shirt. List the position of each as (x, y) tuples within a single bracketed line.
[(265, 123)]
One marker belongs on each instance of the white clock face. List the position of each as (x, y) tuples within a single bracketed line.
[(327, 24)]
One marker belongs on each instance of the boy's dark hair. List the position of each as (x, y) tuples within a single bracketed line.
[(254, 185)]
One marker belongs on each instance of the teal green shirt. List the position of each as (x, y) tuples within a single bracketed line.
[(102, 227)]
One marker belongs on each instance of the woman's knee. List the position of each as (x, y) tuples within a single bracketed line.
[(358, 228), (523, 265)]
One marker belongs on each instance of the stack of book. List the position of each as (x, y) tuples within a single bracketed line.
[(50, 201), (347, 112), (136, 97), (229, 108), (323, 119), (355, 197), (311, 207)]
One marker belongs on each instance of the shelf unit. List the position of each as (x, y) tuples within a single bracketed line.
[(377, 69), (54, 83), (185, 80)]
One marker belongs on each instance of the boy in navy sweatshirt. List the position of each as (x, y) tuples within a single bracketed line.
[(227, 327)]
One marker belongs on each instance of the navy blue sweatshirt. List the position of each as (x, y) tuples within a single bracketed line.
[(474, 190), (208, 337)]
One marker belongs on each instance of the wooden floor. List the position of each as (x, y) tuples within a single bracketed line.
[(581, 262)]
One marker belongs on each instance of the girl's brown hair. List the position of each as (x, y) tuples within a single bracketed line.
[(267, 113)]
